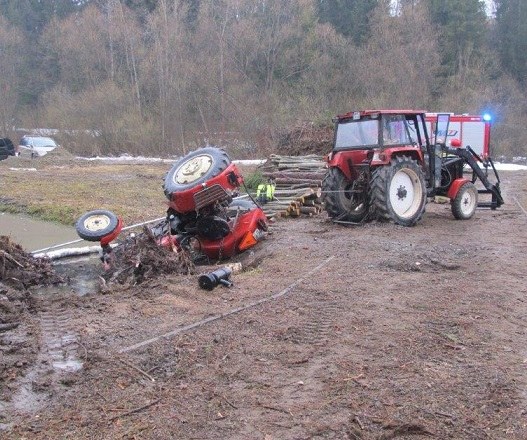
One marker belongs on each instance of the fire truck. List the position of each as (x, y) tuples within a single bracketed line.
[(471, 130)]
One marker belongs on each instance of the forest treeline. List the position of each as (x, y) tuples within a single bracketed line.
[(160, 77)]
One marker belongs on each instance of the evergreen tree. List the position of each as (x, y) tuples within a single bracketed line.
[(511, 22), (462, 25), (141, 5), (38, 69), (351, 18), (33, 15)]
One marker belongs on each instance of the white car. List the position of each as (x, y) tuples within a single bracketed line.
[(36, 146)]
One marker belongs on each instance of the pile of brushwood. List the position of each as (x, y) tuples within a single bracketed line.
[(307, 138), (21, 270), (140, 257)]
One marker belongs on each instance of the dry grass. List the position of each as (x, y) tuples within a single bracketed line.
[(62, 189)]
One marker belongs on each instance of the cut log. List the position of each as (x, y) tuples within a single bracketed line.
[(310, 210), (295, 175), (293, 180), (298, 181)]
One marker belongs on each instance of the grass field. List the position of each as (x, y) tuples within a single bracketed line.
[(61, 189)]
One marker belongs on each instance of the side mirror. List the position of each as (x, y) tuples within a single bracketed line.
[(456, 143)]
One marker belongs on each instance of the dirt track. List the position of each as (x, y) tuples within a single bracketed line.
[(374, 332)]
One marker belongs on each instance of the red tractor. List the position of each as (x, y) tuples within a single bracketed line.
[(384, 166), (203, 215)]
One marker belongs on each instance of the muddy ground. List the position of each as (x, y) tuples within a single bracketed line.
[(370, 332)]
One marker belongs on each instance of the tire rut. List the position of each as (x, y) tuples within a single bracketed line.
[(59, 346), (59, 341), (320, 322)]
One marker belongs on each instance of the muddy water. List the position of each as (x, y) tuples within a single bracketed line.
[(60, 348), (34, 234)]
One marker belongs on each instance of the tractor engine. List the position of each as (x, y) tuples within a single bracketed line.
[(210, 215), (200, 188)]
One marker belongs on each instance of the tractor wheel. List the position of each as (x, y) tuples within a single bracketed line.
[(466, 201), (398, 192), (95, 225), (194, 169), (340, 201)]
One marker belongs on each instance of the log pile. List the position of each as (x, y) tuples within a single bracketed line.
[(298, 182)]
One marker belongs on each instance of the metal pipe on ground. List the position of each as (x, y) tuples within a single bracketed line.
[(41, 253)]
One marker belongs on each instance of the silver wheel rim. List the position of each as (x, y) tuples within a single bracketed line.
[(468, 202), (95, 223), (406, 193), (193, 169)]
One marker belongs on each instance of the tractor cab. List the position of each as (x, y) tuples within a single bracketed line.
[(373, 136), (379, 130)]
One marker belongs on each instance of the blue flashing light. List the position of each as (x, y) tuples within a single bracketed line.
[(487, 117)]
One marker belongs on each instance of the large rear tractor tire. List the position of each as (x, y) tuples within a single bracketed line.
[(343, 200), (466, 201), (398, 192), (194, 169)]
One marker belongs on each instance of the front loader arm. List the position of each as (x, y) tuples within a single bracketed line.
[(469, 155)]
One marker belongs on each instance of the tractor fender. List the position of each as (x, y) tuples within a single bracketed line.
[(344, 161), (385, 156), (454, 187), (340, 161)]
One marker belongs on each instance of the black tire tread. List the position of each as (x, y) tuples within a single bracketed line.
[(333, 182), (455, 203), (220, 159), (380, 208)]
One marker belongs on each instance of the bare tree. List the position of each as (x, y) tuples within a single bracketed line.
[(10, 47), (400, 61)]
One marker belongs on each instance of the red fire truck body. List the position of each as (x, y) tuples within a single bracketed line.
[(471, 130)]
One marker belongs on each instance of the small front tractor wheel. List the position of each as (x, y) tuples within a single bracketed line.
[(398, 192), (342, 198), (95, 225), (466, 201)]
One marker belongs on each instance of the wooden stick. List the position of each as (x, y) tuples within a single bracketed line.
[(135, 410), (226, 401), (10, 258), (144, 373), (8, 326)]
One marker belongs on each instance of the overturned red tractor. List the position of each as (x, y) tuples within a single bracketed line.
[(384, 166), (203, 217)]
